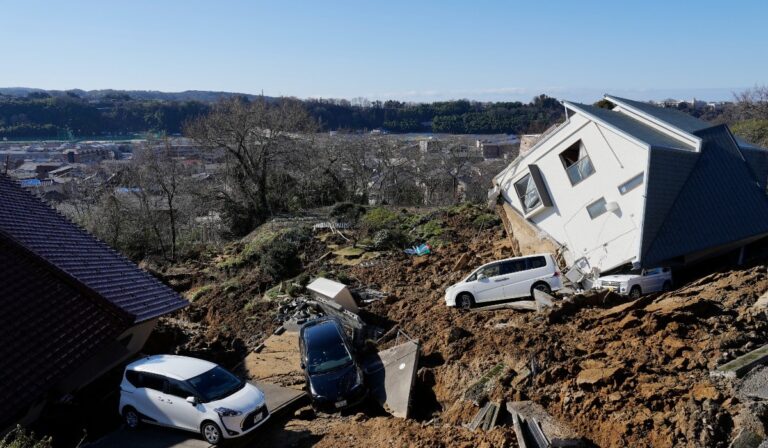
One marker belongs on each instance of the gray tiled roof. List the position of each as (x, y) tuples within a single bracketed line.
[(32, 224), (674, 117), (701, 201), (633, 127), (48, 328)]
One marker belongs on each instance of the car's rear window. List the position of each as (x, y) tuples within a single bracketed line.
[(536, 262), (325, 348)]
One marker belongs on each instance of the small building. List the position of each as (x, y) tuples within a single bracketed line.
[(638, 185), (71, 308), (333, 291)]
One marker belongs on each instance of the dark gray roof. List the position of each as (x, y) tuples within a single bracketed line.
[(697, 201), (633, 127), (30, 223), (676, 118), (757, 158)]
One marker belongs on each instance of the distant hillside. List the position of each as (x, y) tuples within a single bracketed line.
[(203, 96), (38, 113)]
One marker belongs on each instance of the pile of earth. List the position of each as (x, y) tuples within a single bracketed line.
[(620, 373), (623, 374)]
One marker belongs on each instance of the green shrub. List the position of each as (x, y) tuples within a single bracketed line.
[(431, 229), (389, 239), (380, 218), (486, 221), (20, 438), (280, 259)]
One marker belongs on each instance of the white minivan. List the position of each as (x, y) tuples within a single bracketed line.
[(191, 394), (506, 279)]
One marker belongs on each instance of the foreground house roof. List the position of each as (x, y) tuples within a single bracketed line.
[(65, 298), (30, 223)]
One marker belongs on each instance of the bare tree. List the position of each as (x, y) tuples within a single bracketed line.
[(751, 104), (158, 174), (254, 136)]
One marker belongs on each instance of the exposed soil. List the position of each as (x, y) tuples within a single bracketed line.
[(619, 373)]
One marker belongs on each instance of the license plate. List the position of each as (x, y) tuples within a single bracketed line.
[(257, 418), (341, 404)]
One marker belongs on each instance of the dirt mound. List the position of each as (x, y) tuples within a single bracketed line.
[(620, 373), (632, 374), (390, 432)]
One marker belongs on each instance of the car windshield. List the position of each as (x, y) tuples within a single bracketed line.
[(326, 350), (216, 384)]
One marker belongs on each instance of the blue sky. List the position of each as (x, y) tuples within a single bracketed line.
[(409, 50)]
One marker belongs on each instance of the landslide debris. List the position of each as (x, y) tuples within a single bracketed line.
[(622, 373)]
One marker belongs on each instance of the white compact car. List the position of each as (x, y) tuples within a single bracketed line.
[(506, 279), (637, 284), (191, 394)]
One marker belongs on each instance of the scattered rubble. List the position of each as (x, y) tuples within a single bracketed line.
[(619, 372)]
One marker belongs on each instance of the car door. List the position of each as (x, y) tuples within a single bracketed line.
[(151, 395), (519, 283), (491, 286), (652, 280), (180, 412)]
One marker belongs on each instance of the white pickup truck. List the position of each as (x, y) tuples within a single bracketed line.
[(636, 284)]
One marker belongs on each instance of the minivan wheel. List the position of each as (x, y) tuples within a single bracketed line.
[(635, 292), (465, 301), (543, 287), (211, 432), (131, 417)]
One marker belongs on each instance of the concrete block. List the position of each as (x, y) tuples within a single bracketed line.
[(742, 364)]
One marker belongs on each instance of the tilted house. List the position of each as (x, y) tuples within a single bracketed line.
[(640, 185), (71, 307)]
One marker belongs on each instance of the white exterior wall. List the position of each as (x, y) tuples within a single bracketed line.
[(612, 238)]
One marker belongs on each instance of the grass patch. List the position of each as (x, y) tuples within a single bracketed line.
[(197, 293)]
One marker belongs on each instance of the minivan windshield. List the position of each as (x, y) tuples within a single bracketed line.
[(216, 384), (326, 350)]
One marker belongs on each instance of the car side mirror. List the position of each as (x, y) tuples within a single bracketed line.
[(192, 400)]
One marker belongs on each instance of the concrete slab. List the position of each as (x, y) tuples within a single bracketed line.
[(278, 362), (279, 397), (543, 300), (742, 364), (522, 305), (391, 374), (536, 422)]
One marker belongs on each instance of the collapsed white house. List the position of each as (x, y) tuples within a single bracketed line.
[(638, 185)]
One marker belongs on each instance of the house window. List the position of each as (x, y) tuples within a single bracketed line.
[(527, 193), (596, 208), (631, 184), (576, 162)]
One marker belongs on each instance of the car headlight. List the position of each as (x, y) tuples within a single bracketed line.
[(226, 412)]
